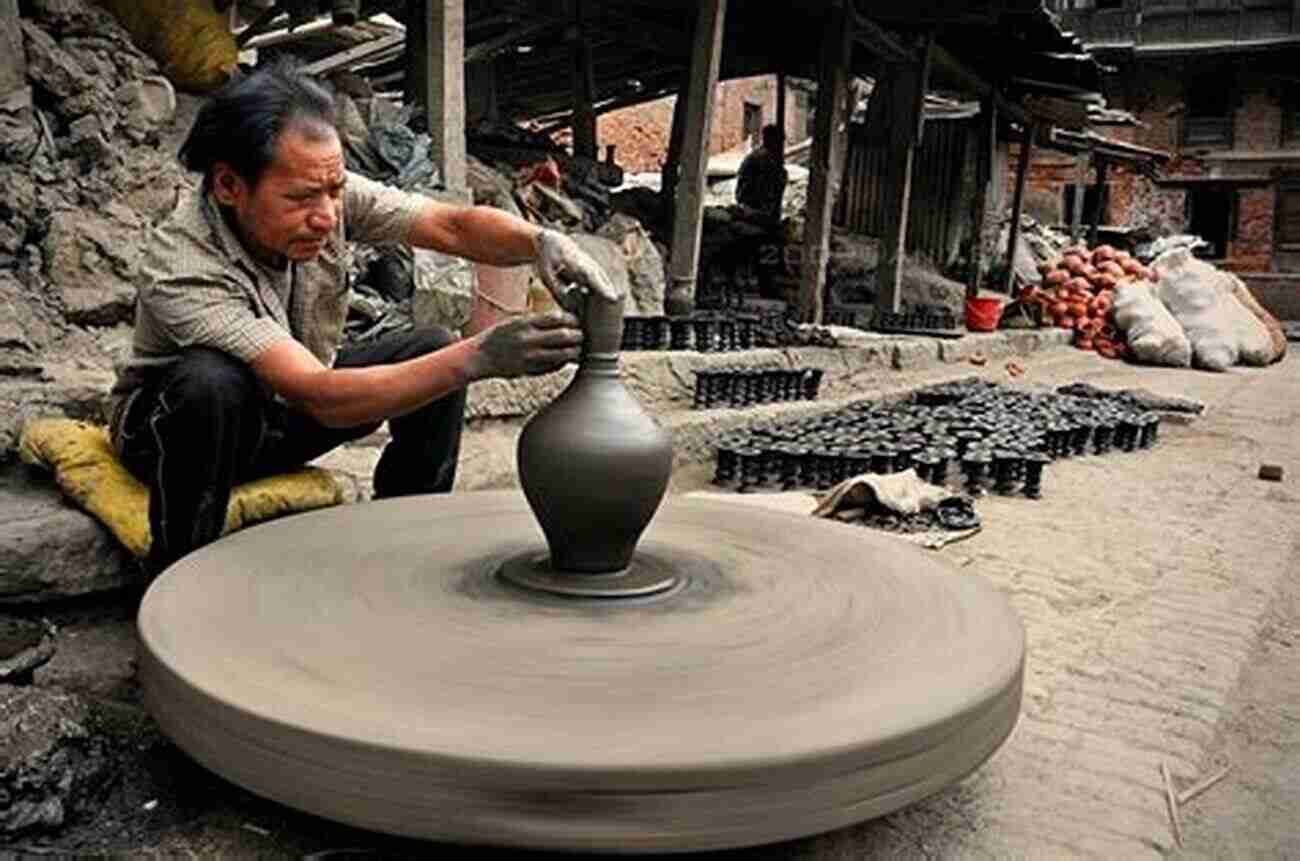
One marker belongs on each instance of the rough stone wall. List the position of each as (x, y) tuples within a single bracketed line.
[(640, 133)]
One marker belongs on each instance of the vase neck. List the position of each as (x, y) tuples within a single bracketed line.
[(599, 364), (602, 327)]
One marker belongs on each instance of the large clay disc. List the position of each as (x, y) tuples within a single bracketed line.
[(366, 664)]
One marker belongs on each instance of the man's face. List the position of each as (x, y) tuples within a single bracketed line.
[(296, 204)]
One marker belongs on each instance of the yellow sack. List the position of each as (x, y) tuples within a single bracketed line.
[(86, 468), (190, 40)]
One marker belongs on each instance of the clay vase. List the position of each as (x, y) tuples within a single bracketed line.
[(593, 464)]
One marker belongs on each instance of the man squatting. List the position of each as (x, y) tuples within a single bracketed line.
[(235, 370)]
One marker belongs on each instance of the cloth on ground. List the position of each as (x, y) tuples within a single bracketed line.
[(901, 492), (89, 473)]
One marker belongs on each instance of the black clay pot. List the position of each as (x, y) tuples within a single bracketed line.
[(594, 466)]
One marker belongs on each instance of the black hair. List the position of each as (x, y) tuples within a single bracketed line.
[(773, 135), (241, 123)]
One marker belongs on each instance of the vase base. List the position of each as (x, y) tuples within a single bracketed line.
[(644, 577)]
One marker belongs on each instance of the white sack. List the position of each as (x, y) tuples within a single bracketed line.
[(1189, 289), (1151, 331)]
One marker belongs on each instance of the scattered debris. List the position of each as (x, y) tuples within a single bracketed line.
[(1015, 369), (248, 826), (1270, 472), (978, 359), (1137, 397), (1149, 251), (1171, 799), (1201, 786)]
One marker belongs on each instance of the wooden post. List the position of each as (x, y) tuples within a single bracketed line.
[(780, 102), (1076, 216), (1022, 169), (829, 136), (584, 90), (905, 115), (445, 88), (673, 159), (415, 87), (706, 56), (986, 143), (1099, 198)]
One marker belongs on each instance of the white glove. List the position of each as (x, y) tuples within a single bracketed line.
[(564, 267)]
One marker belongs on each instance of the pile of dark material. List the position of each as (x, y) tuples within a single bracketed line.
[(918, 320), (954, 513), (999, 437), (720, 332), (746, 387)]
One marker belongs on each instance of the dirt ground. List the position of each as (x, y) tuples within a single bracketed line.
[(1160, 598)]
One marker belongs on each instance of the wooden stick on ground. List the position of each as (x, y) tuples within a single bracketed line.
[(1171, 797), (1192, 791)]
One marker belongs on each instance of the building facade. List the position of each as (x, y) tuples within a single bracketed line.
[(1215, 83), (639, 134)]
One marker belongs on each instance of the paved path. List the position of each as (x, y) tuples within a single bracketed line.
[(1143, 581)]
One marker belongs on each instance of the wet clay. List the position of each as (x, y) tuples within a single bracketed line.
[(593, 464), (804, 676)]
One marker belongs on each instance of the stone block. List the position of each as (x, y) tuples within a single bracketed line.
[(92, 261), (644, 264), (25, 645), (50, 550), (13, 59), (913, 354)]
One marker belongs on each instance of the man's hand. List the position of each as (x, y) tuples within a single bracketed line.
[(562, 266), (526, 346)]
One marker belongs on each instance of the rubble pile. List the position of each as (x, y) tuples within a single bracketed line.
[(83, 175), (510, 168)]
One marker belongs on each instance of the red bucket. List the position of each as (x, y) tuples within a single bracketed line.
[(982, 315)]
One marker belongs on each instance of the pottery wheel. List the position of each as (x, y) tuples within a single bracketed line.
[(368, 664)]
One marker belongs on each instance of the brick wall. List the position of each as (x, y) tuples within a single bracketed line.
[(1257, 121), (1251, 250), (1156, 94), (640, 133)]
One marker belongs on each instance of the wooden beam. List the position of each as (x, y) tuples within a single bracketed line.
[(489, 48), (830, 139), (954, 68), (1017, 200), (1099, 197), (1076, 216), (445, 88), (584, 89), (986, 142), (706, 59), (361, 53), (905, 89), (878, 40), (672, 166), (780, 102)]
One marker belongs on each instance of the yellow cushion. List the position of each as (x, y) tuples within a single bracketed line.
[(86, 468)]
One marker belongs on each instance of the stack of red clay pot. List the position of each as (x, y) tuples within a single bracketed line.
[(1077, 293)]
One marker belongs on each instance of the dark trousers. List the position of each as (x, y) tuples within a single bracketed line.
[(206, 424)]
